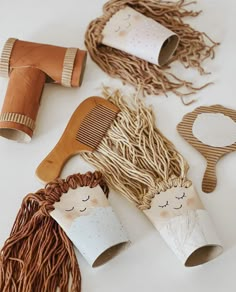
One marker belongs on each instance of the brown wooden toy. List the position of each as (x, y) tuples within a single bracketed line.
[(29, 66), (212, 131)]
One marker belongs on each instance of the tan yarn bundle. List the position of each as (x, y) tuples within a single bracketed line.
[(38, 256), (193, 49), (134, 156)]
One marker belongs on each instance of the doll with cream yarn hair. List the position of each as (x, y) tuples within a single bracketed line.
[(145, 167)]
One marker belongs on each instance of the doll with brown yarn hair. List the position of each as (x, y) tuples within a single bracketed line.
[(38, 256)]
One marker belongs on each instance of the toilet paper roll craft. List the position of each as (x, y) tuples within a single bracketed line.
[(144, 166), (137, 41), (212, 131), (39, 254), (185, 225), (88, 219), (134, 33), (141, 164), (85, 129), (29, 66)]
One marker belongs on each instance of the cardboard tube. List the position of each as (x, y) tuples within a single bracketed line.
[(185, 225), (20, 108), (49, 59), (91, 224), (29, 65), (141, 36)]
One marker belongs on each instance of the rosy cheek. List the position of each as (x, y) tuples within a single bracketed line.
[(69, 216), (190, 202), (94, 202), (122, 33), (72, 216), (164, 214)]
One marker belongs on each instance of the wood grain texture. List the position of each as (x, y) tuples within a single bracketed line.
[(83, 132), (211, 154)]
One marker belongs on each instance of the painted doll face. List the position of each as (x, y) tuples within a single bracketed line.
[(127, 20), (78, 202), (171, 203), (90, 223)]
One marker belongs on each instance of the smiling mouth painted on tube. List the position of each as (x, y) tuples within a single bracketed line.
[(178, 207)]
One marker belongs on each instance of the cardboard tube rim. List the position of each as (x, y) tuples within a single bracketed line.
[(109, 254), (15, 134), (168, 49), (82, 55), (203, 254), (18, 118), (68, 66), (5, 57)]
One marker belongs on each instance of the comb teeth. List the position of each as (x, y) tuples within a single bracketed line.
[(95, 125)]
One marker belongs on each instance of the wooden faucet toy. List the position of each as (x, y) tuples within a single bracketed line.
[(29, 66)]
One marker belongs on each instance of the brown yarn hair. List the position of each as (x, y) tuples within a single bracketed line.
[(38, 256), (194, 47)]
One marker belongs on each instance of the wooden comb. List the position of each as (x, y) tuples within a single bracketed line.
[(84, 132), (211, 154)]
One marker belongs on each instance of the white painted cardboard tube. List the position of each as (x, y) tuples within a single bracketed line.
[(185, 225), (134, 33), (91, 224)]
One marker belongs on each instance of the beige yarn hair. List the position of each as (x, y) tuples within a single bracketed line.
[(193, 49), (134, 156)]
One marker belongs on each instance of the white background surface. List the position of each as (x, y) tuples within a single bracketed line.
[(147, 264)]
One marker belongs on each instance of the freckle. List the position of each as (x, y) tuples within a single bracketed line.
[(122, 33), (190, 201), (137, 17), (164, 214)]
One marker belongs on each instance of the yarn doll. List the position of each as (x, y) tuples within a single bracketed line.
[(155, 78), (140, 163), (39, 255)]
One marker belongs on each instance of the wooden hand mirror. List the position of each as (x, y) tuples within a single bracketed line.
[(212, 131)]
